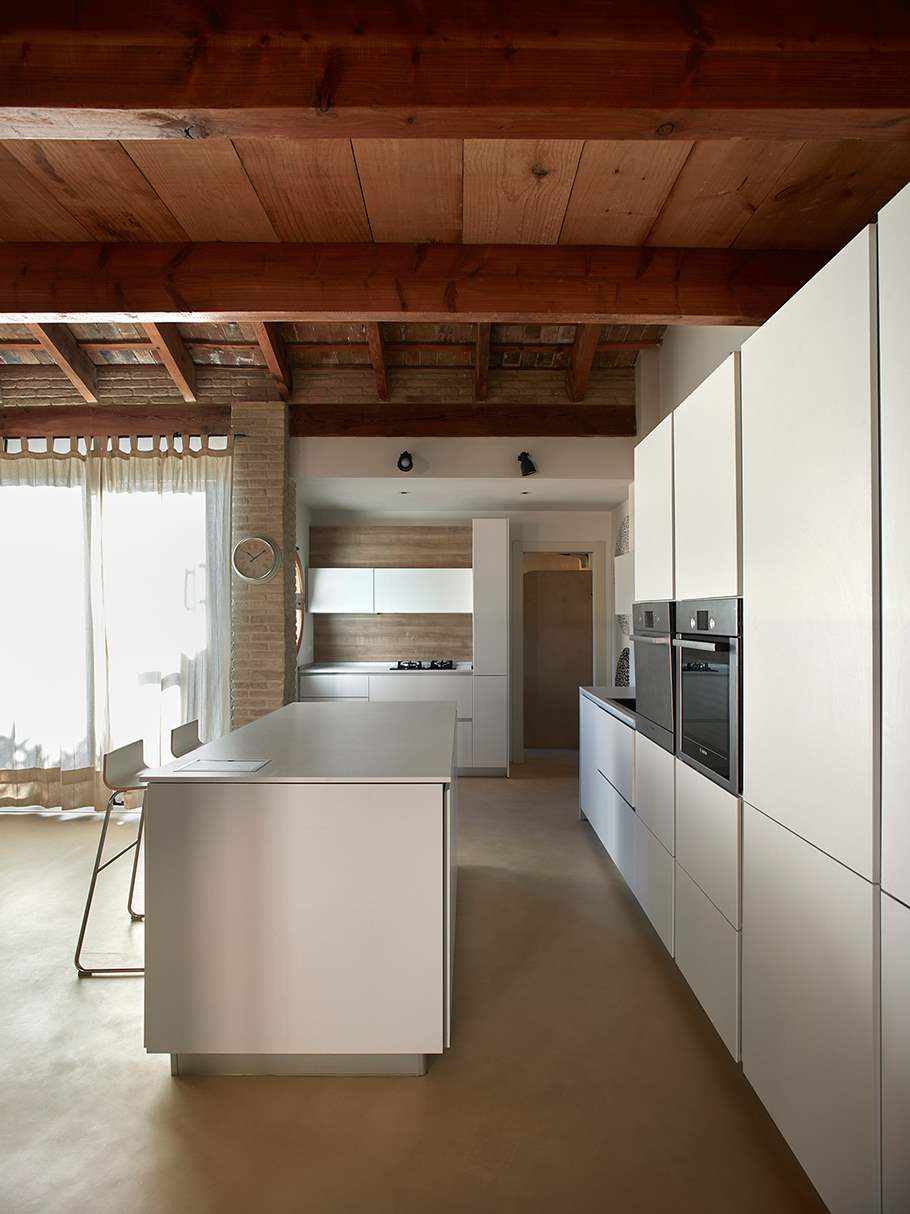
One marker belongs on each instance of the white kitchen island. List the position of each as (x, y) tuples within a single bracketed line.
[(300, 917)]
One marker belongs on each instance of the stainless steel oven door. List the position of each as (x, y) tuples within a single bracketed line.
[(654, 688), (707, 718)]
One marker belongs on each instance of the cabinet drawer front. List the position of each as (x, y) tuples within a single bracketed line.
[(624, 827), (464, 744), (332, 686), (653, 881), (411, 688), (707, 953), (419, 590), (708, 834), (615, 753), (601, 811), (587, 766), (340, 590), (655, 790)]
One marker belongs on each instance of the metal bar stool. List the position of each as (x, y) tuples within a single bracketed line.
[(185, 738), (122, 771)]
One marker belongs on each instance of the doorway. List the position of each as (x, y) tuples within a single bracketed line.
[(558, 618)]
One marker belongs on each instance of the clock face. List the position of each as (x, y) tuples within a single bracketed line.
[(255, 558)]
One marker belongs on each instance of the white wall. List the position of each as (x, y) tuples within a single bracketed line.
[(688, 355)]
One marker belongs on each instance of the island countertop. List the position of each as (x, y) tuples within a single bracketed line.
[(333, 743)]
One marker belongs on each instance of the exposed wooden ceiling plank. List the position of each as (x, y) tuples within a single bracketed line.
[(377, 358), (72, 421), (412, 188), (419, 283), (482, 362), (516, 190), (581, 361), (271, 343), (460, 421), (175, 357), (487, 69), (63, 348)]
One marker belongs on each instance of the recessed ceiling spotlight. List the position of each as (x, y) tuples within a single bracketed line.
[(405, 462), (526, 464), (404, 492), (525, 492)]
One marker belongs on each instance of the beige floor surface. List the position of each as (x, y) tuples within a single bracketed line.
[(583, 1075)]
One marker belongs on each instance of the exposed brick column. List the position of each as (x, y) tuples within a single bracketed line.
[(262, 634)]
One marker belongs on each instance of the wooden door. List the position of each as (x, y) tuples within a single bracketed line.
[(558, 654)]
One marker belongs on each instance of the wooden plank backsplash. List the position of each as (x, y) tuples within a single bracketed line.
[(390, 547), (380, 638)]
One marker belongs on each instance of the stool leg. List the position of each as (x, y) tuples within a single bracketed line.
[(136, 917), (91, 888)]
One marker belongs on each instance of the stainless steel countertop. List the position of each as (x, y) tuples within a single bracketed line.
[(375, 668)]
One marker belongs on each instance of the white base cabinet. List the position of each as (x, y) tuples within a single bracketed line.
[(655, 790), (653, 880), (895, 1056), (707, 952), (708, 833), (491, 721), (809, 1012)]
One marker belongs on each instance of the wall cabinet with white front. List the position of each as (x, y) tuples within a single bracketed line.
[(706, 492), (653, 519), (369, 591)]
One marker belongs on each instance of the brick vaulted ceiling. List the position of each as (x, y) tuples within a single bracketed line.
[(422, 207)]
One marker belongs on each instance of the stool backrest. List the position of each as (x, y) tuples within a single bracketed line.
[(120, 768), (185, 738)]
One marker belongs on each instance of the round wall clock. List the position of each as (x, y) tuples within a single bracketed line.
[(255, 558)]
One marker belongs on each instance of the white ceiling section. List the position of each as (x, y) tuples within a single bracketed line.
[(458, 476)]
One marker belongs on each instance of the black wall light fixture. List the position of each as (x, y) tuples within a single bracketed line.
[(526, 464), (405, 462)]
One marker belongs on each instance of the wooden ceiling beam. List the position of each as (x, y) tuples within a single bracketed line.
[(377, 358), (72, 421), (486, 69), (271, 343), (482, 362), (581, 361), (586, 284), (168, 345), (59, 343), (460, 421)]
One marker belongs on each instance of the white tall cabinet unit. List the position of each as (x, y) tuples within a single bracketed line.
[(811, 832), (491, 643), (706, 499), (653, 523), (894, 360)]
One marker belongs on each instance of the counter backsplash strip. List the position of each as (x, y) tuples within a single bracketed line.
[(378, 638)]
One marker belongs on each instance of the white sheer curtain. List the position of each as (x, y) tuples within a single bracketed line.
[(115, 614)]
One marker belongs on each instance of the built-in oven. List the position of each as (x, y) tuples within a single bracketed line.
[(652, 636), (708, 646)]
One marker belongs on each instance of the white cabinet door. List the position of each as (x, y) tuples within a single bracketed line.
[(652, 881), (708, 832), (422, 590), (587, 744), (707, 953), (603, 812), (706, 487), (809, 1008), (809, 409), (895, 1056), (340, 590), (615, 752), (464, 744), (653, 524), (655, 789), (894, 363), (491, 595), (491, 721), (438, 688), (623, 583), (332, 686), (624, 826)]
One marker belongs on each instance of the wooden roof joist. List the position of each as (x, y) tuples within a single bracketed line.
[(154, 283), (483, 69)]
